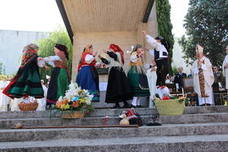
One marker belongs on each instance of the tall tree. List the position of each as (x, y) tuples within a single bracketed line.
[(165, 26), (46, 46), (206, 23)]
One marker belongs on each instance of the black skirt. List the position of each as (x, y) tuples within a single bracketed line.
[(118, 89)]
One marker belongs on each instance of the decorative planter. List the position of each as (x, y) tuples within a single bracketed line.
[(73, 115), (170, 107)]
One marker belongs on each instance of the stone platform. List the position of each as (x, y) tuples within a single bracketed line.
[(200, 129)]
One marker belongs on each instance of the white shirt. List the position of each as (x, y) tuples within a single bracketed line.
[(89, 58), (50, 60), (156, 45)]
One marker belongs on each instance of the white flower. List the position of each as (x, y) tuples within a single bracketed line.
[(88, 100), (90, 96), (60, 98)]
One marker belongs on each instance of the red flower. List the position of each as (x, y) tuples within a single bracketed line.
[(166, 98)]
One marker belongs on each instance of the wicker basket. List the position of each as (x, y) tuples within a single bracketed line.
[(170, 107), (31, 106), (73, 115)]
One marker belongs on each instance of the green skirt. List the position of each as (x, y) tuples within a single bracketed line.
[(27, 84), (58, 85), (134, 79)]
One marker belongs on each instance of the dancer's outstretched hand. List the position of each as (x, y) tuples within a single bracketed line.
[(144, 32)]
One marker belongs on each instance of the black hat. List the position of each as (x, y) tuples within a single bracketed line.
[(61, 47), (159, 38)]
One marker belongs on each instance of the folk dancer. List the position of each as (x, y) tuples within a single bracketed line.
[(27, 81), (118, 89), (87, 77), (60, 75), (137, 76), (161, 57)]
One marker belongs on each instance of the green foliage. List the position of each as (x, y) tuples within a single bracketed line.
[(165, 26), (188, 48), (207, 24), (174, 69), (46, 47)]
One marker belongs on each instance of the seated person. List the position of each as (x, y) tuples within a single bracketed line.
[(178, 79)]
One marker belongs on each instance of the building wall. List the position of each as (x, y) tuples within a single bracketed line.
[(11, 45)]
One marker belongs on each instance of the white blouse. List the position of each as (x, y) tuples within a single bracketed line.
[(158, 46), (89, 58), (49, 60), (134, 58)]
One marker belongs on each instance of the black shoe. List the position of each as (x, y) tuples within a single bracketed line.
[(117, 105), (132, 106), (153, 124), (126, 105)]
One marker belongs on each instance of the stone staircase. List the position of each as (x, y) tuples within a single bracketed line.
[(200, 129)]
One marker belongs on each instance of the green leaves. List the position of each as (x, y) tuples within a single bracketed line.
[(206, 24)]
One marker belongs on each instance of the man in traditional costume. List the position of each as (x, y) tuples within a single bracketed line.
[(203, 78), (137, 76), (87, 77), (225, 67), (60, 75), (161, 57), (27, 81), (118, 89)]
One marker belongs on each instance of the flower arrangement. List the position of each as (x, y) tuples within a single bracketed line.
[(75, 99)]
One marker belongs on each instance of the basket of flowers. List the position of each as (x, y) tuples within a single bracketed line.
[(28, 104), (76, 103), (167, 104)]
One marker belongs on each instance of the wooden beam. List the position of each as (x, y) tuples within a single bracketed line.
[(148, 10), (65, 19)]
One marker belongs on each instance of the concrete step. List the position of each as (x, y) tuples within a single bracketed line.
[(207, 109), (56, 114), (194, 118), (110, 112), (202, 143), (98, 133), (181, 119)]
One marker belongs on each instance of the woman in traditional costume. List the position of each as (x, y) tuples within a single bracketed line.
[(87, 77), (60, 75), (118, 89), (137, 76), (27, 81)]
